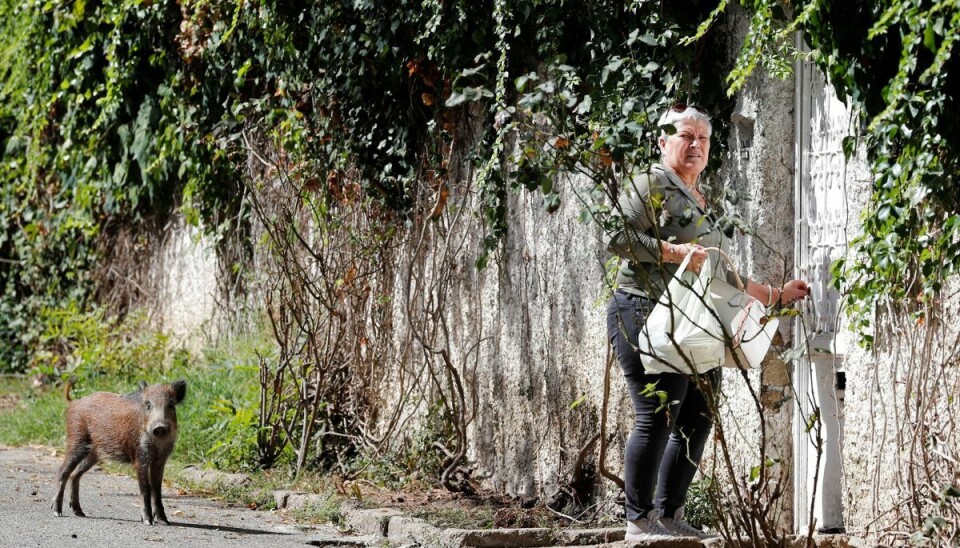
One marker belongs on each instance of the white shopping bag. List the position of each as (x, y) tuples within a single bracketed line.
[(683, 333), (748, 330)]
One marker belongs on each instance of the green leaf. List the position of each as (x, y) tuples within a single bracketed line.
[(578, 402), (546, 184), (849, 144), (930, 39), (521, 82), (468, 94)]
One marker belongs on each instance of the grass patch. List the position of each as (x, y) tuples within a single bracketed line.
[(457, 517), (35, 417), (329, 509), (258, 493)]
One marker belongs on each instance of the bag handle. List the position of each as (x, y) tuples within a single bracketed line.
[(704, 269), (682, 267), (733, 268)]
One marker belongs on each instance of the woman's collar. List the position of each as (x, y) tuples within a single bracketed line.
[(678, 182)]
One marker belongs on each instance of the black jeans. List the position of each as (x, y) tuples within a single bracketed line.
[(673, 421)]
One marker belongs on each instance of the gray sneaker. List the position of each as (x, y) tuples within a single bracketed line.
[(680, 528), (648, 528)]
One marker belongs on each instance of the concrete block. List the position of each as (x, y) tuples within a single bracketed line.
[(280, 497), (213, 477), (584, 537), (300, 500), (403, 529), (369, 521), (328, 541), (500, 538)]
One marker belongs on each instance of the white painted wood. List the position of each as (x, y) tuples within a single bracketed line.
[(822, 121)]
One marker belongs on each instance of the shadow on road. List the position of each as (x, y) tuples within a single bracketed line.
[(225, 529), (221, 528)]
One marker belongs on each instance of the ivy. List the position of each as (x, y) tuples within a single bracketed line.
[(121, 112), (894, 62), (83, 141), (903, 79), (589, 104)]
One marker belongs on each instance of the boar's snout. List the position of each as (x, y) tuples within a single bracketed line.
[(161, 430)]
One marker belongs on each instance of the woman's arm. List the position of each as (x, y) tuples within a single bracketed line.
[(637, 240), (633, 240), (792, 291), (639, 246)]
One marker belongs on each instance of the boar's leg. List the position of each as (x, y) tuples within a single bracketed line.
[(156, 482), (87, 464), (143, 478), (73, 458)]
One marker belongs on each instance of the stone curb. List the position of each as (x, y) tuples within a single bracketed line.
[(499, 537), (213, 477), (390, 527), (406, 530), (297, 500), (583, 537), (542, 537), (376, 521), (331, 540)]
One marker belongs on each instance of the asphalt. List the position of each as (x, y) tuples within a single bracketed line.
[(112, 505)]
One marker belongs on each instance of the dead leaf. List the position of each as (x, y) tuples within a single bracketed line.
[(440, 200)]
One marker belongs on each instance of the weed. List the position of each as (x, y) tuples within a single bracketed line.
[(329, 509), (89, 345), (698, 509), (458, 517), (36, 418)]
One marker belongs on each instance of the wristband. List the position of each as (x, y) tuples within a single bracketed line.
[(769, 296)]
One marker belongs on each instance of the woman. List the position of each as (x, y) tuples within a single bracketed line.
[(665, 218)]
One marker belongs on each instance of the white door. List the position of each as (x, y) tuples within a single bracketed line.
[(822, 121)]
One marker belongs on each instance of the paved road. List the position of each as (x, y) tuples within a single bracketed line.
[(111, 503)]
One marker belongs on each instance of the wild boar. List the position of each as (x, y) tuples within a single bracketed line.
[(138, 428)]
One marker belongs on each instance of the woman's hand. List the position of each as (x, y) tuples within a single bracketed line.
[(698, 255), (793, 291)]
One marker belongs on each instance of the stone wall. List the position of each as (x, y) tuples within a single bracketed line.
[(543, 309), (184, 274), (529, 331), (760, 168)]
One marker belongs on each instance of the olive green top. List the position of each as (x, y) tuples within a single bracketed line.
[(658, 206)]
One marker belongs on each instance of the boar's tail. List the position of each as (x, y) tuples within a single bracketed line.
[(66, 389)]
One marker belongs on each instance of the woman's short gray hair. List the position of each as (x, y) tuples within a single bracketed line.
[(676, 114)]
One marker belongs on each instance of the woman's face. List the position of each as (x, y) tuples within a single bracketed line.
[(686, 151)]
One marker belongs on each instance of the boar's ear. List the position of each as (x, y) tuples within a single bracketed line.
[(141, 386), (180, 389)]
